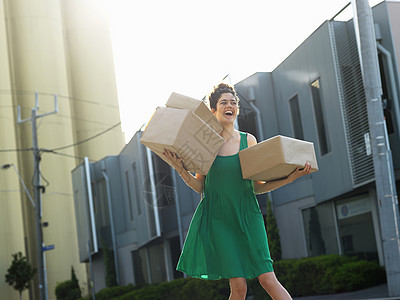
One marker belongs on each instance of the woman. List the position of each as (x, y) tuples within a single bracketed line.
[(227, 237)]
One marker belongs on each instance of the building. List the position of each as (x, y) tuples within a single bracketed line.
[(142, 209), (48, 48), (317, 94)]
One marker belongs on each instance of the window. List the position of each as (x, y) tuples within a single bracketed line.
[(323, 138), (296, 118), (319, 228), (136, 190), (157, 263), (140, 268), (103, 211), (386, 99), (128, 189), (356, 227)]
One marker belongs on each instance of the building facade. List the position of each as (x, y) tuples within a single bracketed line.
[(51, 48), (317, 94), (144, 209)]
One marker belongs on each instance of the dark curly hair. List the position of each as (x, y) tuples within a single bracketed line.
[(218, 91)]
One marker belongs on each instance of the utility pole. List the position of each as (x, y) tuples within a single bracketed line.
[(381, 154), (38, 189)]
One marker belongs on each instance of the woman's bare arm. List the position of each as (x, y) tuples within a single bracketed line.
[(194, 182), (261, 187)]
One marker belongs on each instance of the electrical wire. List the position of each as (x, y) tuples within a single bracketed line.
[(27, 92), (62, 154), (88, 139), (15, 150)]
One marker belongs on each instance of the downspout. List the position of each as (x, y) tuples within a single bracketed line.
[(112, 224), (91, 206), (252, 99), (393, 86), (153, 192), (178, 209)]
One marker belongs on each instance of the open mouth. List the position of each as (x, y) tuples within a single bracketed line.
[(229, 113)]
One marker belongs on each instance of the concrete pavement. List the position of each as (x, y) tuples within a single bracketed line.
[(378, 292)]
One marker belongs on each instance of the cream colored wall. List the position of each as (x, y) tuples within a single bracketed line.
[(92, 77), (55, 47), (11, 221), (37, 60)]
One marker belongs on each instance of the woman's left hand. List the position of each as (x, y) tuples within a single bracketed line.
[(299, 172)]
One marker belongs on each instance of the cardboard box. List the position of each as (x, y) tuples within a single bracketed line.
[(276, 158), (183, 132), (198, 107)]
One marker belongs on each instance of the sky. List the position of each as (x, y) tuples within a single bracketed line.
[(188, 47)]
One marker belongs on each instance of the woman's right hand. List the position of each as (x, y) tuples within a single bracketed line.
[(174, 159), (194, 182)]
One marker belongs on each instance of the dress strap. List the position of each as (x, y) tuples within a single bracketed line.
[(243, 140)]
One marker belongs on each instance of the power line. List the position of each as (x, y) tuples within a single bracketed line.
[(65, 147), (58, 115), (61, 154), (27, 92), (16, 150), (88, 139)]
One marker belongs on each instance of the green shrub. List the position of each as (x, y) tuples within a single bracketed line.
[(69, 289), (183, 288), (66, 290), (301, 277), (357, 275), (256, 290), (197, 289), (325, 274), (115, 291), (274, 239)]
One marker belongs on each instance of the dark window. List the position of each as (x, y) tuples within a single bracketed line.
[(296, 118), (319, 229), (319, 112), (128, 189), (139, 261), (136, 190), (386, 99)]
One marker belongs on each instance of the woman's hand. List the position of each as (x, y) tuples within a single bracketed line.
[(174, 159), (194, 182), (299, 172)]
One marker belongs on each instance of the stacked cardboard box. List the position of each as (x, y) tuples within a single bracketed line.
[(187, 127)]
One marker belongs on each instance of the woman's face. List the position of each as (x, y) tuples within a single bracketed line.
[(227, 108)]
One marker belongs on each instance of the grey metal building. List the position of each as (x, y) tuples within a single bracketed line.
[(317, 94), (142, 209)]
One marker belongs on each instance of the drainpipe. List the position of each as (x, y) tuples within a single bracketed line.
[(153, 192), (178, 208), (252, 99), (91, 206), (393, 85), (112, 224)]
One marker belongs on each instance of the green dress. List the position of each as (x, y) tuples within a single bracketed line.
[(226, 236)]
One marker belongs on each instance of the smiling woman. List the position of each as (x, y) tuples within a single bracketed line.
[(227, 237)]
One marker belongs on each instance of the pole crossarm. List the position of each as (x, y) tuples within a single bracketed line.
[(37, 108)]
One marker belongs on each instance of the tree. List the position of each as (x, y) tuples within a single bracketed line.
[(315, 241), (20, 273), (69, 289), (274, 240), (74, 280), (111, 274)]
